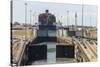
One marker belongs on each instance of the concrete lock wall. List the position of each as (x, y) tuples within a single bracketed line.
[(62, 32)]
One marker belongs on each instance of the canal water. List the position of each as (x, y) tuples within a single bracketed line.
[(51, 52)]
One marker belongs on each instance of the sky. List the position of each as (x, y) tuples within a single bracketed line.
[(58, 9)]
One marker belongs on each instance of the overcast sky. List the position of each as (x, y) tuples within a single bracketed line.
[(58, 9)]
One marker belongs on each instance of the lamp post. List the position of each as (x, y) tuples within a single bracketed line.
[(67, 18), (90, 22), (11, 21), (82, 21), (25, 21), (30, 24), (30, 15), (75, 21)]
